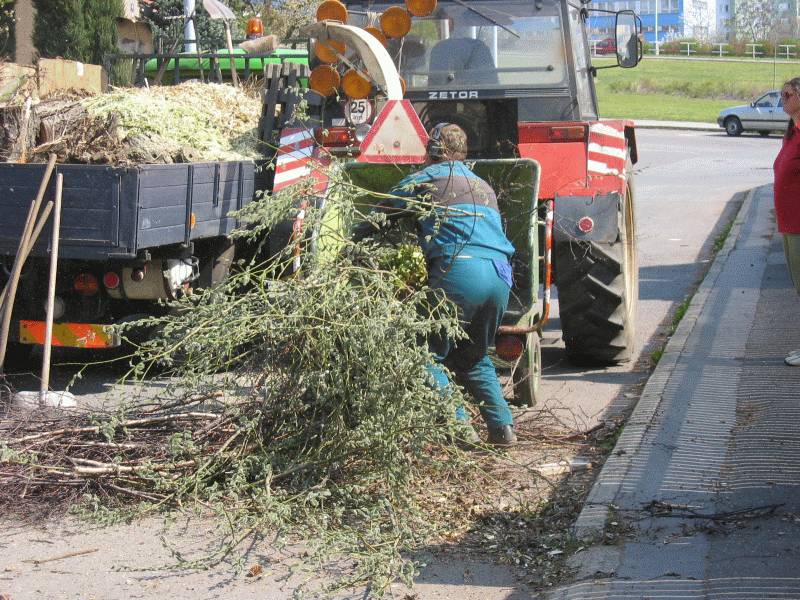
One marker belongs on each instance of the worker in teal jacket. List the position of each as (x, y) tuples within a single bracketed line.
[(467, 254)]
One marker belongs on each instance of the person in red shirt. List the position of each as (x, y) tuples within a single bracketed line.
[(787, 190)]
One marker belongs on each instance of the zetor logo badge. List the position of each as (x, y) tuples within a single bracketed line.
[(447, 95)]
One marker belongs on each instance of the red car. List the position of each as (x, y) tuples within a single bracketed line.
[(606, 46)]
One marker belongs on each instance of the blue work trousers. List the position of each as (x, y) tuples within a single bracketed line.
[(474, 285)]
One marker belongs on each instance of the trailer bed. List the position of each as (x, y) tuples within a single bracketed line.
[(116, 212)]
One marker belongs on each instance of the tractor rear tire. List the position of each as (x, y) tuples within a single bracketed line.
[(598, 287)]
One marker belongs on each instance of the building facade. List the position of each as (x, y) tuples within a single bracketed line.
[(701, 19)]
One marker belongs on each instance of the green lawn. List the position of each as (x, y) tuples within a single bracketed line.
[(681, 90)]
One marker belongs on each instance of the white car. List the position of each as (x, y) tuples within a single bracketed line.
[(763, 115)]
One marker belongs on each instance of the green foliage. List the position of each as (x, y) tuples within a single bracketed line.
[(683, 90), (59, 29), (7, 33), (82, 30), (719, 241), (655, 356), (339, 418), (408, 263), (100, 19)]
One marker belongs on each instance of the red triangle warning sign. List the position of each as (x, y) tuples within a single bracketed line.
[(397, 136)]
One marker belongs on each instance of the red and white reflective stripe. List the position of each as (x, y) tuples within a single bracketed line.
[(607, 149), (294, 155), (299, 158), (319, 172)]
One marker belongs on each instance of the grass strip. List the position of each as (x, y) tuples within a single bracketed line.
[(685, 90)]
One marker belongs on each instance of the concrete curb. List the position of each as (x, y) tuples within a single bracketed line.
[(679, 125), (592, 520)]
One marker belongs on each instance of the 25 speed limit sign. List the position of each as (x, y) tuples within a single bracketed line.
[(358, 111)]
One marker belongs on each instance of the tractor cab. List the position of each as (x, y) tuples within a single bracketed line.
[(487, 65)]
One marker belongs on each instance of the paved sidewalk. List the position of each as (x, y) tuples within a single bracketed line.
[(688, 125), (702, 487)]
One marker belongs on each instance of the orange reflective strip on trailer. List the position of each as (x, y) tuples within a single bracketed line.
[(68, 335)]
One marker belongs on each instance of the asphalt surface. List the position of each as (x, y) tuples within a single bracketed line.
[(702, 485)]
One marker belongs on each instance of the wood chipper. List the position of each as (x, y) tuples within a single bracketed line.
[(394, 147), (517, 352), (517, 76)]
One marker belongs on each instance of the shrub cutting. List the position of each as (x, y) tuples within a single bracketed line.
[(299, 405)]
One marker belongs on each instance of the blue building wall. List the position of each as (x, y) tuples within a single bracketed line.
[(670, 24)]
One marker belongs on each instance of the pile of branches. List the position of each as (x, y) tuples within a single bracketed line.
[(299, 404), (63, 456), (159, 125)]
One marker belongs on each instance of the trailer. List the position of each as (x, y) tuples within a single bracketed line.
[(129, 238)]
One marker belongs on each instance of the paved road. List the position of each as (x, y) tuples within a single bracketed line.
[(688, 185)]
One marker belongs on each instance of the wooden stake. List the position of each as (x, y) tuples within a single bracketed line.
[(5, 311), (51, 288), (231, 60)]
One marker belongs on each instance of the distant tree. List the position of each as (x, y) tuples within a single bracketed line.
[(101, 23), (167, 18), (697, 21), (59, 29), (285, 17), (82, 30), (755, 20), (6, 28)]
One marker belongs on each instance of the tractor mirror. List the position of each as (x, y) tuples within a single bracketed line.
[(629, 44)]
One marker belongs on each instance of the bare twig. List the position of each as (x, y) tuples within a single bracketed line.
[(41, 561)]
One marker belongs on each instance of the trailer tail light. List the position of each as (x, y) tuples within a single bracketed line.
[(571, 133), (585, 224), (334, 136), (547, 133), (509, 347), (111, 280), (86, 284)]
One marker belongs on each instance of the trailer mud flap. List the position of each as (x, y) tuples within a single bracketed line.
[(587, 218), (69, 335)]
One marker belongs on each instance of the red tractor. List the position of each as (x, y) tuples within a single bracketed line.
[(516, 75)]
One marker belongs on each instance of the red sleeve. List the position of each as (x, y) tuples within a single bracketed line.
[(787, 185)]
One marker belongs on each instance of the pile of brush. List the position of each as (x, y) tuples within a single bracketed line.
[(158, 125)]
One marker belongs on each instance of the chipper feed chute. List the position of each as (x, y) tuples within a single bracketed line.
[(516, 183)]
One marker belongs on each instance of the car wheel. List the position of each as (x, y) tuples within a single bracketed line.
[(733, 126)]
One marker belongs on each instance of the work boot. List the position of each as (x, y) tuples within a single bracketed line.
[(502, 436)]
